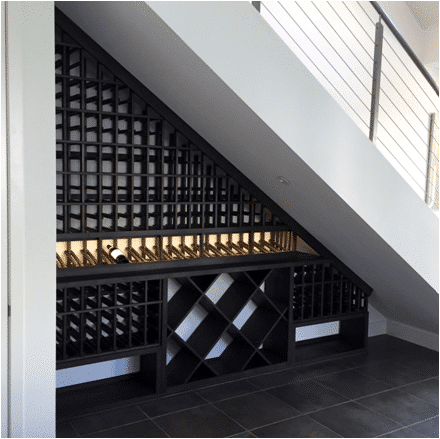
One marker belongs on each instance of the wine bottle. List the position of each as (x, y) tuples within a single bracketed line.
[(117, 255)]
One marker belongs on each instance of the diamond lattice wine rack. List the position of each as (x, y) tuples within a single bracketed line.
[(226, 323), (218, 277)]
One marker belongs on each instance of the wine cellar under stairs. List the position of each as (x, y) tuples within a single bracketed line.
[(169, 254)]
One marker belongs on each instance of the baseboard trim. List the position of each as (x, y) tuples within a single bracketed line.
[(377, 328), (412, 334)]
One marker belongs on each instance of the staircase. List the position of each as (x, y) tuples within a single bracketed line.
[(224, 70)]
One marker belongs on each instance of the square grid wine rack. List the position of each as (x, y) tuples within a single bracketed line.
[(95, 320), (122, 167)]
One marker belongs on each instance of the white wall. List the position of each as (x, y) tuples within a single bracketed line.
[(408, 26), (31, 187), (431, 47), (377, 323), (4, 218), (413, 335)]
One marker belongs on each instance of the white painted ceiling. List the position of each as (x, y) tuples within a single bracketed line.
[(426, 13)]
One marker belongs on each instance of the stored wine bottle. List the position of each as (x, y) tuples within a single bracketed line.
[(117, 255)]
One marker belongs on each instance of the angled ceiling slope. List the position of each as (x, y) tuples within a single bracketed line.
[(221, 68)]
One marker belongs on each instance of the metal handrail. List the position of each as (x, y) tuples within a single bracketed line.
[(404, 161), (396, 33), (405, 46)]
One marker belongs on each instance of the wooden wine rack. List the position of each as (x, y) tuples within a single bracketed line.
[(219, 276)]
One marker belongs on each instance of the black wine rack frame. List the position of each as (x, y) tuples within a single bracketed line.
[(195, 326), (96, 320), (220, 277), (122, 168)]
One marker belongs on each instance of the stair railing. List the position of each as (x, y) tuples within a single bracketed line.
[(357, 54)]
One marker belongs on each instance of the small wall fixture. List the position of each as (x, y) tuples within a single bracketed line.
[(283, 179)]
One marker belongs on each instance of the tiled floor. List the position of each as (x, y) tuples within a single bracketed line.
[(391, 392)]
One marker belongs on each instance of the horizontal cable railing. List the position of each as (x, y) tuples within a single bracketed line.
[(355, 52)]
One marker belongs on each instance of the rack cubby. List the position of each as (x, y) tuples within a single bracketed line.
[(352, 337)]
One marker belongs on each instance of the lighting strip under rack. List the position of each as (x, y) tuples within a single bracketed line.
[(91, 253)]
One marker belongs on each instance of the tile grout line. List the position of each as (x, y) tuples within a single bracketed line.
[(232, 397), (410, 426), (328, 428), (402, 385), (368, 408), (233, 420), (148, 417), (74, 429), (299, 380), (272, 423), (178, 411), (113, 428), (160, 428)]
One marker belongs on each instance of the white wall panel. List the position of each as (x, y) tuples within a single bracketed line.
[(5, 256), (31, 124)]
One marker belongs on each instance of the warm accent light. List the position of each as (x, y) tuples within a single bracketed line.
[(173, 248)]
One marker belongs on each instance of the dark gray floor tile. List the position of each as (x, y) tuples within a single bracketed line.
[(353, 420), (392, 373), (205, 421), (357, 361), (170, 404), (307, 396), (352, 384), (301, 426), (245, 434), (145, 428), (411, 350), (428, 428), (227, 390), (399, 406), (256, 409), (108, 419), (426, 390), (425, 364), (403, 432), (65, 429), (274, 379), (385, 347), (319, 369)]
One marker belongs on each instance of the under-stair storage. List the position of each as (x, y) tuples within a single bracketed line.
[(168, 255)]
